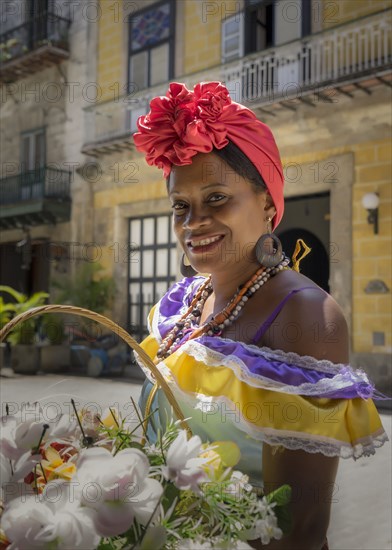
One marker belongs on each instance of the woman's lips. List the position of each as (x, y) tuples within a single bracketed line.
[(205, 246)]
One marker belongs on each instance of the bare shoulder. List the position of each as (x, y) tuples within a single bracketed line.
[(311, 322)]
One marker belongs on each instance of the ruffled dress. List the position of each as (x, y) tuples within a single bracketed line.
[(234, 391)]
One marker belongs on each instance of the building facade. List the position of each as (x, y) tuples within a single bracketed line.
[(317, 72), (45, 214)]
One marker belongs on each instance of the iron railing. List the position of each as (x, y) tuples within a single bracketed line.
[(42, 183), (47, 28), (339, 54), (331, 56)]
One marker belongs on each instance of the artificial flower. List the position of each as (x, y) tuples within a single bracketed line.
[(18, 436), (184, 466), (55, 520), (12, 472), (117, 488)]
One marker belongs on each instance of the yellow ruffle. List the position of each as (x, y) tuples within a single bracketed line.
[(348, 422)]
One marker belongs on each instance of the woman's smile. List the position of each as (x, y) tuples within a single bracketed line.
[(201, 245)]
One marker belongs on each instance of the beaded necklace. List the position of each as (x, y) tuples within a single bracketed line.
[(224, 318)]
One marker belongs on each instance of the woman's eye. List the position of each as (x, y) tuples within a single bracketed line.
[(216, 197), (178, 206)]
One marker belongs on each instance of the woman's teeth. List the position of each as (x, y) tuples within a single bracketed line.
[(204, 242)]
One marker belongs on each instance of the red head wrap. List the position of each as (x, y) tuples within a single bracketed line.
[(184, 123)]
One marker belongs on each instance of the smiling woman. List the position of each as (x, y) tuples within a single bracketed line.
[(255, 352)]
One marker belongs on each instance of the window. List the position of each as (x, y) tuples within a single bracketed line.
[(233, 37), (259, 25), (153, 267), (33, 158), (151, 45), (33, 150), (264, 24)]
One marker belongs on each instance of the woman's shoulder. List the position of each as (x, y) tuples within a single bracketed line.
[(311, 321)]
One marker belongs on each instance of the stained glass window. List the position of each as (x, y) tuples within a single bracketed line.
[(151, 27), (151, 45)]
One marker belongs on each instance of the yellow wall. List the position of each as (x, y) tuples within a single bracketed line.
[(342, 11), (202, 25), (110, 51), (371, 253)]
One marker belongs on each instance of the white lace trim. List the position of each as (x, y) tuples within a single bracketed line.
[(292, 358), (154, 325), (291, 440), (216, 359), (329, 449)]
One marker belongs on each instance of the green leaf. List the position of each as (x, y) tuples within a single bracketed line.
[(169, 494), (285, 521), (281, 496), (135, 445), (18, 296)]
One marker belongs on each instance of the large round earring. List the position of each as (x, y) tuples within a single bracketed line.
[(266, 258), (186, 268)]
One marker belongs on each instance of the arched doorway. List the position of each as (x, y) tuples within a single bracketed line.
[(315, 265), (307, 218)]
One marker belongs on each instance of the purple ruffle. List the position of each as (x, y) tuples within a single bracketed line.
[(355, 383), (175, 302)]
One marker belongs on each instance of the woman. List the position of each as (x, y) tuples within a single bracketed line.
[(254, 352)]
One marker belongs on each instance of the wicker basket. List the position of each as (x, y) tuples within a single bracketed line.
[(108, 323)]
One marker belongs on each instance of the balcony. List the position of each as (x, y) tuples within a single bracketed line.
[(31, 47), (341, 60), (347, 59), (36, 197)]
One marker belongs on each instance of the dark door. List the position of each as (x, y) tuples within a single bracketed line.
[(307, 218), (25, 266)]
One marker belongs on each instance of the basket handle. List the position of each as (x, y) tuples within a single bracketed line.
[(114, 327)]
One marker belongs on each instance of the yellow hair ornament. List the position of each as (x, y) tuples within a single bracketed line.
[(305, 252)]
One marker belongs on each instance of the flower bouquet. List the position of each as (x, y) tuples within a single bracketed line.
[(87, 481)]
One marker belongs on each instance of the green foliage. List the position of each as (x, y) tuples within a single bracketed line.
[(6, 311), (53, 328), (24, 332), (87, 289), (282, 498)]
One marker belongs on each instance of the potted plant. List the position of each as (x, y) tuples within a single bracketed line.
[(24, 354), (6, 311), (89, 289), (55, 352)]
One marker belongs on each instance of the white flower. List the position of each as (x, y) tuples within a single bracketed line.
[(52, 521), (183, 465), (19, 436), (10, 475), (23, 432), (213, 544), (117, 488), (264, 529), (239, 483), (64, 428)]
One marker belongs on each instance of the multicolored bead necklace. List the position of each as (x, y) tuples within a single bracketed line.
[(215, 326)]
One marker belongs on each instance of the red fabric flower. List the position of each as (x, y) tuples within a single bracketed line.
[(184, 123)]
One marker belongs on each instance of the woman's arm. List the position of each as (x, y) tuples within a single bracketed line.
[(312, 479), (324, 335)]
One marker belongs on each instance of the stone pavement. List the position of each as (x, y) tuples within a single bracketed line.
[(361, 511)]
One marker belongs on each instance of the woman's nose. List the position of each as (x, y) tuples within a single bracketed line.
[(196, 217)]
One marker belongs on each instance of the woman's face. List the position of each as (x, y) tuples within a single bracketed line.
[(217, 215)]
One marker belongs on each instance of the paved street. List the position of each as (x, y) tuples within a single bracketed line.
[(361, 513)]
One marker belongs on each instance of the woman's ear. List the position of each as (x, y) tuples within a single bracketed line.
[(269, 207)]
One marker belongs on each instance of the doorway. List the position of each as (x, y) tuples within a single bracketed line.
[(308, 218)]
